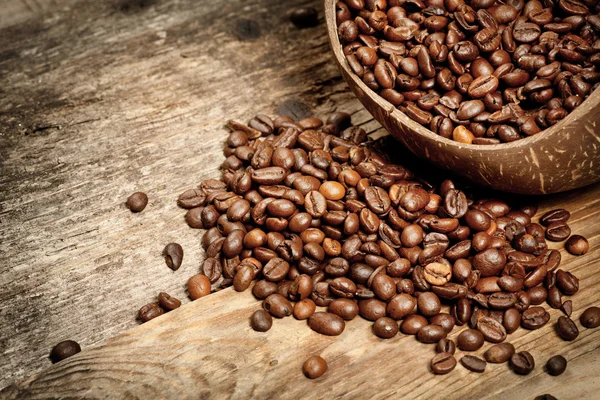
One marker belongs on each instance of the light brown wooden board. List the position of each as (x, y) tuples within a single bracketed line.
[(140, 91)]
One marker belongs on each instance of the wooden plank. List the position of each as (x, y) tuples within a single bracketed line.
[(207, 349), (106, 98)]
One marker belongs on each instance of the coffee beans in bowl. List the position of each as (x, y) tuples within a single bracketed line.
[(475, 72)]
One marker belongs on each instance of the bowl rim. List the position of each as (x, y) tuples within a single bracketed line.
[(395, 113)]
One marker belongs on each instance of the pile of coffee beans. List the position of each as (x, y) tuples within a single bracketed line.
[(476, 71), (320, 223)]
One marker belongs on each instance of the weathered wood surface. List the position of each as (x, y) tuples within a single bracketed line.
[(99, 99)]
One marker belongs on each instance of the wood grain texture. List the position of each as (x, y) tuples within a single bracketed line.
[(101, 99), (206, 349), (563, 157)]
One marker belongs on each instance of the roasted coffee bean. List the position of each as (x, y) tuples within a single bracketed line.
[(412, 323), (345, 308), (277, 305), (305, 17), (400, 305), (577, 245), (149, 311), (137, 202), (168, 302), (442, 363), (276, 269), (261, 321), (264, 289), (499, 353), (304, 309), (558, 231), (470, 340), (314, 367), (534, 318), (491, 329), (566, 328), (385, 328), (64, 349), (522, 362), (326, 323), (590, 317), (474, 364), (173, 254), (567, 282), (431, 334), (556, 365), (446, 321), (445, 346), (198, 286)]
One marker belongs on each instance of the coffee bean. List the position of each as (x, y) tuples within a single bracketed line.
[(474, 364), (590, 317), (442, 363), (137, 202), (305, 17), (173, 254), (470, 340), (522, 362), (326, 323), (150, 311), (198, 286), (566, 328), (314, 367), (64, 349), (277, 305), (385, 328), (276, 269), (534, 318), (261, 321), (556, 365), (558, 231), (491, 329), (577, 245), (437, 273), (499, 353), (431, 334), (168, 302), (567, 282)]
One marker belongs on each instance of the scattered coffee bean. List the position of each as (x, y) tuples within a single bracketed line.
[(385, 328), (566, 328), (442, 363), (590, 317), (137, 201), (499, 353), (261, 321), (577, 245), (64, 349), (168, 302), (173, 254), (473, 363), (556, 365), (314, 367), (198, 286), (522, 362), (305, 17), (150, 311)]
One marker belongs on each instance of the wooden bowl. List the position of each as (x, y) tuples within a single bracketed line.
[(563, 157)]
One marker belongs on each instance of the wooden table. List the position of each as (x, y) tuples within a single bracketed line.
[(102, 98)]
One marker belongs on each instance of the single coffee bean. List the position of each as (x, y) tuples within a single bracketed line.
[(470, 340), (314, 367), (431, 334), (567, 282), (277, 305), (304, 309), (412, 323), (442, 363), (474, 364), (198, 286), (590, 317), (577, 245), (522, 362), (345, 308), (534, 318), (326, 323), (499, 353), (556, 365), (385, 328), (566, 328), (445, 346), (558, 215), (150, 311), (137, 202), (558, 231), (491, 329), (173, 254), (64, 349), (305, 17), (168, 302), (261, 321)]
